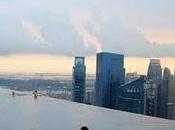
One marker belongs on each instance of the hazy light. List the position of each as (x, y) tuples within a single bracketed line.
[(160, 36), (41, 63)]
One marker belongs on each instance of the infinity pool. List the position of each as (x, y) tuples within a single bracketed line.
[(23, 112)]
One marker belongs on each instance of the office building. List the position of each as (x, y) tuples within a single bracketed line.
[(131, 96), (110, 74), (155, 71), (155, 75), (150, 100), (174, 98), (167, 94), (79, 76)]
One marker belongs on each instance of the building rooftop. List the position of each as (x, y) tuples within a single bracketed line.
[(155, 61), (110, 54), (23, 112)]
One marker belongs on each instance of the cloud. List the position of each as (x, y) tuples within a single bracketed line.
[(88, 38), (160, 36), (85, 27), (35, 32)]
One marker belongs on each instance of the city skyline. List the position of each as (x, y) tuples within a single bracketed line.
[(32, 31), (94, 64)]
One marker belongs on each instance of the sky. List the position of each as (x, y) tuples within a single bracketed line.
[(45, 35)]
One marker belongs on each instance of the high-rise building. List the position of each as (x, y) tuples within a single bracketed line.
[(150, 102), (164, 94), (170, 97), (79, 77), (110, 74), (155, 71), (155, 75), (174, 98), (131, 96), (167, 94)]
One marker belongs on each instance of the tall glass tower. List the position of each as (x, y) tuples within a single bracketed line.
[(155, 75), (79, 77), (110, 74), (164, 95), (155, 71), (167, 94)]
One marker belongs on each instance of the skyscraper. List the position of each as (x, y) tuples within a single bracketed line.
[(110, 74), (164, 95), (174, 98), (170, 96), (155, 71), (150, 104), (79, 76), (155, 75), (167, 94)]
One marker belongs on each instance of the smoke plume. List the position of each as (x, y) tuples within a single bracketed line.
[(35, 32), (88, 38)]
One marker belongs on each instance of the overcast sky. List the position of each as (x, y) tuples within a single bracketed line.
[(140, 28)]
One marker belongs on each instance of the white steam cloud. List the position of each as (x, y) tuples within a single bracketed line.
[(35, 32), (88, 38)]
